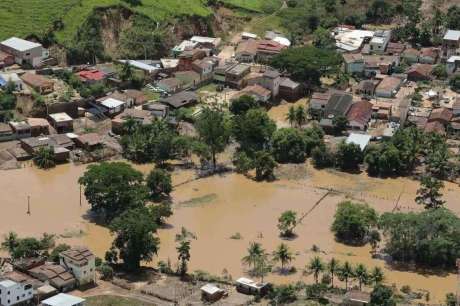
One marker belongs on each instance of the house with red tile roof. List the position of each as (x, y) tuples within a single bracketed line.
[(359, 115)]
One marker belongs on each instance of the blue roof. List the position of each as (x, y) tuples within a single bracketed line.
[(2, 82)]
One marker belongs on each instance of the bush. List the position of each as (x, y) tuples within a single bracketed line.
[(282, 295), (353, 222), (106, 271)]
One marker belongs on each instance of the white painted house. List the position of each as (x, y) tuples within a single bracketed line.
[(81, 262), (379, 42), (13, 293), (113, 106), (24, 51)]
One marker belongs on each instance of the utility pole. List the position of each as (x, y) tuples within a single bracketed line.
[(28, 205), (80, 194), (458, 282)]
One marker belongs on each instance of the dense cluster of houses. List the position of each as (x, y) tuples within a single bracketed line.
[(38, 282), (388, 76)]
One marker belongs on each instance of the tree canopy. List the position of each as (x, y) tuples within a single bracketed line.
[(308, 64), (353, 222), (134, 237), (112, 188)]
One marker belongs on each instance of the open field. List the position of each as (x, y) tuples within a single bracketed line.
[(253, 5), (108, 300)]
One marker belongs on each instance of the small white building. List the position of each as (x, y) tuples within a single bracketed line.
[(379, 42), (63, 299), (81, 262), (113, 106), (11, 77), (61, 122), (452, 64), (13, 293), (248, 286), (24, 51)]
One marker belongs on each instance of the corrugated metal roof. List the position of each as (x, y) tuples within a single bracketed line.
[(20, 44)]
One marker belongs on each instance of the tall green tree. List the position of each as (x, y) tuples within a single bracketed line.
[(214, 130), (159, 183), (316, 266), (349, 156), (429, 194), (346, 272), (241, 105), (112, 188), (253, 130), (283, 255), (254, 251), (308, 64), (353, 222), (134, 237), (376, 276), (183, 251), (289, 146), (300, 116), (265, 165), (361, 275), (333, 266), (287, 222), (44, 158), (291, 115)]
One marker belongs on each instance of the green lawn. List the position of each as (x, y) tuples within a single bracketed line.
[(253, 5), (25, 17), (108, 300)]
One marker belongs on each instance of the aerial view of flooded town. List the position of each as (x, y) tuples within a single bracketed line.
[(230, 152)]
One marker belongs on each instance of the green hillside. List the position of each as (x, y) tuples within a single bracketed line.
[(25, 17)]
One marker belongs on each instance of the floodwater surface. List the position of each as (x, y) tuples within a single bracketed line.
[(219, 207)]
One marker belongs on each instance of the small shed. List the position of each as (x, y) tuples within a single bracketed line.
[(248, 286), (61, 122), (362, 140), (211, 293)]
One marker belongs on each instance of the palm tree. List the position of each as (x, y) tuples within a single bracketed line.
[(262, 266), (333, 266), (377, 275), (44, 158), (283, 255), (300, 116), (183, 251), (255, 250), (10, 242), (316, 266), (291, 115), (361, 275), (374, 239), (346, 271)]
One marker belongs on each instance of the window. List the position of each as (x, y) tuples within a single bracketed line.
[(17, 298), (8, 293)]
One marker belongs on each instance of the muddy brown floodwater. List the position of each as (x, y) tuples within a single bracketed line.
[(218, 207)]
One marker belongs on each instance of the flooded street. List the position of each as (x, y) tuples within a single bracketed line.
[(218, 207)]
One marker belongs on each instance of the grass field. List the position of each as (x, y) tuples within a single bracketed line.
[(108, 300), (253, 5)]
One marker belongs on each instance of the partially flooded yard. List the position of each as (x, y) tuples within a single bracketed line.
[(218, 208)]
